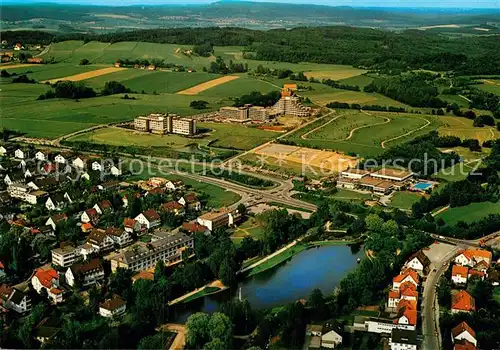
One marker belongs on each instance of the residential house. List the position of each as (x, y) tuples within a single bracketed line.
[(80, 162), (35, 197), (463, 332), (190, 201), (55, 202), (90, 216), (85, 273), (218, 219), (119, 236), (156, 182), (103, 207), (463, 345), (462, 302), (476, 274), (494, 277), (172, 207), (194, 227), (459, 274), (331, 334), (18, 190), (131, 225), (45, 184), (64, 256), (174, 185), (402, 339), (419, 262), (43, 155), (116, 170), (47, 330), (113, 307), (14, 178), (407, 313), (54, 220), (149, 219), (60, 159), (407, 275), (48, 280), (100, 240), (127, 197), (109, 185), (14, 299), (86, 227), (471, 257), (407, 291), (23, 153), (97, 166)]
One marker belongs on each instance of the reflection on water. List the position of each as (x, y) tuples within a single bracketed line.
[(319, 267)]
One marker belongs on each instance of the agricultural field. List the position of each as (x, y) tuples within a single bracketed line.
[(365, 133), (232, 136), (57, 117), (42, 72), (492, 86), (236, 88), (86, 75), (195, 90), (469, 213), (347, 96), (335, 73), (462, 127)]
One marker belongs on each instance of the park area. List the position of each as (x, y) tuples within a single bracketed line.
[(252, 227)]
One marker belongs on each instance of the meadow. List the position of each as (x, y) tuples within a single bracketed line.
[(404, 200), (491, 85), (463, 128), (233, 136), (469, 213), (52, 71)]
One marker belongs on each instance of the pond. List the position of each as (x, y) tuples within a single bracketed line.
[(320, 267)]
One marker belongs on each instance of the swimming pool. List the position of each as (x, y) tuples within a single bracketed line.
[(422, 186)]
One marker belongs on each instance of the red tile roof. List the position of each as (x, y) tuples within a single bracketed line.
[(407, 308), (463, 344), (458, 270), (171, 206), (463, 327), (463, 301), (408, 272), (46, 276), (91, 212), (190, 198), (480, 274), (194, 227), (394, 294), (59, 217), (151, 215), (105, 204), (2, 265), (87, 226), (127, 222)]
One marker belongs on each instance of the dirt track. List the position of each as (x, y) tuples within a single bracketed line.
[(195, 90), (86, 75)]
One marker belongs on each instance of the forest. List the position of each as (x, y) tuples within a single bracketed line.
[(362, 47)]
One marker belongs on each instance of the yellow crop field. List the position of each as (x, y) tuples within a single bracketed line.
[(195, 90), (86, 75), (344, 73)]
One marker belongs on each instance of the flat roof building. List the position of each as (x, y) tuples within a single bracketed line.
[(159, 123)]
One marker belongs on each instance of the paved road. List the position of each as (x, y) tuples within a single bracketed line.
[(430, 308)]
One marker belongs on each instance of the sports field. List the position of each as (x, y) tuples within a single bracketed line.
[(469, 213), (365, 133), (195, 90), (86, 75), (329, 161)]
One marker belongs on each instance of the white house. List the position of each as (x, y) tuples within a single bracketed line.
[(190, 201), (60, 159), (90, 216), (86, 273), (55, 202), (97, 166), (407, 275), (80, 162), (119, 236), (21, 153), (402, 339), (100, 240), (42, 155), (14, 299), (3, 151), (116, 171), (174, 185), (459, 274), (149, 219), (56, 219), (64, 256), (131, 225), (463, 332), (419, 262), (331, 335), (48, 280), (113, 307), (471, 257)]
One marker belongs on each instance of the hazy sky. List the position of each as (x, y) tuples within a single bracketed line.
[(376, 3)]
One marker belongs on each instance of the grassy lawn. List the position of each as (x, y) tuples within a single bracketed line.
[(235, 88), (251, 227), (363, 133), (404, 200), (463, 128), (470, 213), (237, 136), (457, 172), (278, 259), (347, 195)]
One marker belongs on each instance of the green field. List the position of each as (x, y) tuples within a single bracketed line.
[(351, 196), (251, 227), (469, 213), (236, 136), (463, 128), (493, 87), (364, 132), (404, 200), (347, 96), (236, 88), (51, 71)]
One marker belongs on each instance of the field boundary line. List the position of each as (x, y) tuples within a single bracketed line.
[(304, 136), (197, 89), (382, 144)]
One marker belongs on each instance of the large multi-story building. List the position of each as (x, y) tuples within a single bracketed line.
[(248, 112), (234, 113), (289, 104), (165, 124), (65, 256), (142, 257)]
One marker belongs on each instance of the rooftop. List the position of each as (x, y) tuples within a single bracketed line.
[(403, 336), (113, 303), (463, 327), (463, 301)]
